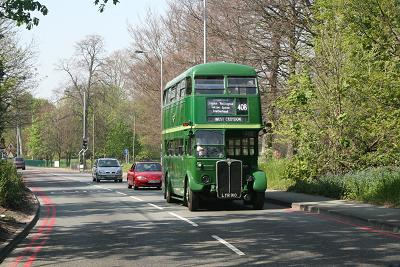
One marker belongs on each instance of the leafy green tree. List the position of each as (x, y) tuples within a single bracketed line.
[(342, 112), (41, 133), (120, 137), (21, 11)]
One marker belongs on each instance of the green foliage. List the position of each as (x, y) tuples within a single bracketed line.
[(21, 11), (118, 138), (102, 3), (144, 155), (275, 170), (41, 134), (11, 186), (341, 112), (378, 186)]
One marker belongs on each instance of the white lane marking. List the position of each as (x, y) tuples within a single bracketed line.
[(184, 219), (121, 193), (98, 186), (237, 251), (84, 191), (108, 189), (136, 198), (155, 206)]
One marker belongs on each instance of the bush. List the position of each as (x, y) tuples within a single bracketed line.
[(11, 186), (275, 171)]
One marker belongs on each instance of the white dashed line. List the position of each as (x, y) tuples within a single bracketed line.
[(108, 189), (136, 198), (121, 193), (98, 186), (237, 251), (155, 206), (84, 191), (184, 219)]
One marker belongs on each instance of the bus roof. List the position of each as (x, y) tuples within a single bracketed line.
[(215, 68)]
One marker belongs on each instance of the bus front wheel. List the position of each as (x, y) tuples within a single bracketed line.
[(191, 198), (258, 200)]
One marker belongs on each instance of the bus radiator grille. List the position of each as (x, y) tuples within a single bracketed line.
[(229, 179)]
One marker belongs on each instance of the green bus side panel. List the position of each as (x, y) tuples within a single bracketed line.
[(260, 182)]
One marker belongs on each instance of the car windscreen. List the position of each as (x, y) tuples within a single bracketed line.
[(19, 159), (148, 167), (108, 163)]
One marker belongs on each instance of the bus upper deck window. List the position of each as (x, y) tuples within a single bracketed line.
[(242, 86), (209, 85)]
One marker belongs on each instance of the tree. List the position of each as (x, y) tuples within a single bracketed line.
[(119, 137), (21, 11), (83, 70), (17, 77), (41, 133), (342, 111)]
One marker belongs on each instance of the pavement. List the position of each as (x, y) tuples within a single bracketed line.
[(387, 219), (7, 246)]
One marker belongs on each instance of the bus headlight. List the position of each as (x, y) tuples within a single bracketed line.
[(205, 179), (199, 165)]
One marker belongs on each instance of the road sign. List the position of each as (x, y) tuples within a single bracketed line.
[(126, 151)]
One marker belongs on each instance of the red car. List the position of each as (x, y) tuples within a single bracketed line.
[(144, 174)]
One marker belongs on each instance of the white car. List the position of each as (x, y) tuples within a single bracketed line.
[(107, 169)]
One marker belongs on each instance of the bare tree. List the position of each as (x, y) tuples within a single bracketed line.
[(83, 70)]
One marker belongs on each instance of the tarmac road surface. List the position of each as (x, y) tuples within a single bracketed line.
[(83, 223)]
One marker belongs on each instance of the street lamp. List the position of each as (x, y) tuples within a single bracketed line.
[(205, 30), (161, 81), (84, 136)]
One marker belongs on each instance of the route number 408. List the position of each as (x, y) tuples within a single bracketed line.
[(242, 107)]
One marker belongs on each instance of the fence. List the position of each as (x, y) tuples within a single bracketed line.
[(73, 164)]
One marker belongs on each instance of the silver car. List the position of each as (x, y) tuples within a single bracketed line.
[(19, 163), (107, 169)]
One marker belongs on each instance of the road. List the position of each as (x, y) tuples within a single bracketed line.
[(88, 224)]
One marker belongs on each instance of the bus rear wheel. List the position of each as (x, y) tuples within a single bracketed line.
[(167, 191), (191, 198), (258, 200)]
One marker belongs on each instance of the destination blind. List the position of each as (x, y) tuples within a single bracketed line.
[(227, 110)]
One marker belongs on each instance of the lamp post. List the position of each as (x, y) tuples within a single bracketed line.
[(205, 30), (161, 82), (134, 137), (84, 136)]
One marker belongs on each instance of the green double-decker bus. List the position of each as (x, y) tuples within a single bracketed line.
[(211, 122)]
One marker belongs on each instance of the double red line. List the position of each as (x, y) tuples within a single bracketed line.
[(39, 239)]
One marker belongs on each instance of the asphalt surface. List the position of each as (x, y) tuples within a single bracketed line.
[(88, 224)]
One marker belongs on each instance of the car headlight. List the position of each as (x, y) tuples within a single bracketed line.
[(101, 172), (142, 178), (119, 172)]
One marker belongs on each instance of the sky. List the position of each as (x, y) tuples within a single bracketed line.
[(68, 22)]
